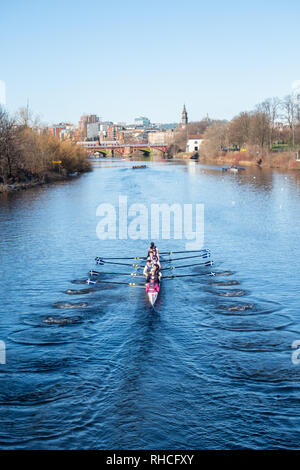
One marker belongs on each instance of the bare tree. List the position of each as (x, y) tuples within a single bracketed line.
[(260, 130), (270, 107), (8, 150), (289, 114), (215, 137), (239, 130), (26, 118)]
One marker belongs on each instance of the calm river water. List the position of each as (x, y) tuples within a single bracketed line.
[(209, 368)]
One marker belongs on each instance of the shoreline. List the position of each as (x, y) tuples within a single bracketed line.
[(282, 161), (48, 178)]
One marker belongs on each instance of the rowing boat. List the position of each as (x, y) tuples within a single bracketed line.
[(152, 296), (152, 290), (152, 293)]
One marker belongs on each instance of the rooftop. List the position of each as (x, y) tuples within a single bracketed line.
[(195, 136)]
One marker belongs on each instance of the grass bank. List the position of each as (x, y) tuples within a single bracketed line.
[(280, 160)]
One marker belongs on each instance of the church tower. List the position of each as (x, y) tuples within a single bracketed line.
[(184, 118)]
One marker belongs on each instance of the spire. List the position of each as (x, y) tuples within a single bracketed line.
[(184, 119)]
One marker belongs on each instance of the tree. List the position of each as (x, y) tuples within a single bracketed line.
[(259, 132), (215, 137), (271, 108), (8, 148), (239, 130), (26, 118), (289, 113)]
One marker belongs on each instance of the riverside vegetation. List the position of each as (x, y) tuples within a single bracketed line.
[(27, 154), (267, 136)]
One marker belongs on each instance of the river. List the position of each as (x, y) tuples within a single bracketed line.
[(210, 367)]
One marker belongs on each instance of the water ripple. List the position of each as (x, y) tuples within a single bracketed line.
[(248, 323), (42, 336)]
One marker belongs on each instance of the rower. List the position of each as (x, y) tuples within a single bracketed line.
[(157, 272), (148, 267), (154, 249), (151, 263), (156, 262), (153, 280), (154, 258)]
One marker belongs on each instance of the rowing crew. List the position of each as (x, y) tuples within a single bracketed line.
[(152, 270)]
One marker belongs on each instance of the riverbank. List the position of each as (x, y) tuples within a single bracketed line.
[(32, 157), (282, 160), (48, 178)]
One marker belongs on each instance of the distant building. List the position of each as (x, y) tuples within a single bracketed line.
[(103, 127), (129, 135), (163, 127), (160, 137), (62, 130), (56, 130), (111, 133), (93, 130), (84, 121), (194, 142), (68, 133), (142, 121)]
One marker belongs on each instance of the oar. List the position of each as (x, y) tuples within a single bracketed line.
[(97, 273), (208, 263), (132, 284), (190, 251), (143, 258), (102, 261), (204, 255), (188, 275)]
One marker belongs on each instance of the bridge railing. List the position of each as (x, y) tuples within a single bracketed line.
[(94, 145)]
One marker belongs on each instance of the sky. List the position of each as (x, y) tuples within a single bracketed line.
[(124, 59)]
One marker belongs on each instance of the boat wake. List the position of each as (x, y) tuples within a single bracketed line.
[(79, 281), (232, 293), (225, 283), (236, 308), (61, 320), (70, 305), (80, 291)]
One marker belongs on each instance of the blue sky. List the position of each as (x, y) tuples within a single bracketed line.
[(122, 59)]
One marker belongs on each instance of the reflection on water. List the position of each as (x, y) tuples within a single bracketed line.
[(96, 367)]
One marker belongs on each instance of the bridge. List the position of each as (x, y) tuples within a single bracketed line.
[(124, 149)]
